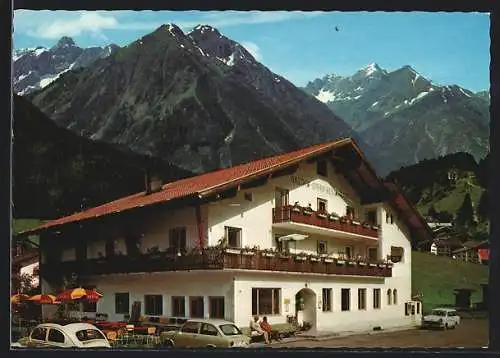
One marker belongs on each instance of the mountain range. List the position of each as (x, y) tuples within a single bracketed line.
[(201, 101), (406, 117), (36, 68)]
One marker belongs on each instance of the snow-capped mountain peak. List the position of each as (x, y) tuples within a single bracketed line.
[(36, 68), (370, 69)]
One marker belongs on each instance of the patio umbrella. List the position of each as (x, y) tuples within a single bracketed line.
[(18, 298), (79, 293), (44, 299)]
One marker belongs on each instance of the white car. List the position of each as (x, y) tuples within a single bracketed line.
[(441, 318), (73, 335)]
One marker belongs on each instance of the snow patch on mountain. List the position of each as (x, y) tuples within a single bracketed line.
[(325, 96)]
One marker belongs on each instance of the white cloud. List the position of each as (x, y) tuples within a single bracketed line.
[(253, 48), (54, 24)]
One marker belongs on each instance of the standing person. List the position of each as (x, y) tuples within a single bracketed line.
[(256, 330), (273, 334)]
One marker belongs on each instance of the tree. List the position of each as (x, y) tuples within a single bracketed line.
[(483, 206), (465, 215)]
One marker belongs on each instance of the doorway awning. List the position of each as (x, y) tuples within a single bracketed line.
[(293, 237)]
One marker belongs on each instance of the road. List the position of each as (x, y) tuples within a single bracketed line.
[(471, 333)]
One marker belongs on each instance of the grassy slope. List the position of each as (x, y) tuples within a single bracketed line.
[(454, 198), (19, 225), (436, 277)]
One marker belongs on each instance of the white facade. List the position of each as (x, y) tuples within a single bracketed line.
[(254, 218)]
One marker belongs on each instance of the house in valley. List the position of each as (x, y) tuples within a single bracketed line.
[(312, 234)]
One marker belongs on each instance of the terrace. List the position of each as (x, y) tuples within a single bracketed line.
[(221, 259), (295, 217)]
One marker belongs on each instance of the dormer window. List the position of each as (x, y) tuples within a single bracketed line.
[(322, 168), (349, 212), (322, 205)]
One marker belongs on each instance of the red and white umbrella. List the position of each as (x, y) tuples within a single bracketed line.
[(44, 299), (79, 293)]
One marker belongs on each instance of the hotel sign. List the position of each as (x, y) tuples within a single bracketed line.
[(298, 180)]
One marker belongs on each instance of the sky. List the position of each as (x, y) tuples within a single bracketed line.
[(447, 48)]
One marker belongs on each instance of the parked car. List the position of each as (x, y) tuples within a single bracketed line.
[(205, 333), (441, 318), (73, 335)]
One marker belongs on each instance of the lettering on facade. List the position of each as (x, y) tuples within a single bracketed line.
[(297, 180)]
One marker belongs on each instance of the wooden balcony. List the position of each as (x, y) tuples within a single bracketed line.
[(216, 259), (289, 215)]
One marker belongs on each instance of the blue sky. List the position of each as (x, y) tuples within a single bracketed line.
[(448, 48)]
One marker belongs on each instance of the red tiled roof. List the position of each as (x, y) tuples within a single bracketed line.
[(199, 184)]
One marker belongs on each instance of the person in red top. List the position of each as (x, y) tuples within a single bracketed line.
[(267, 328)]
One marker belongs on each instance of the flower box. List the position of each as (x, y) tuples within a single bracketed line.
[(328, 260), (389, 264), (322, 215), (372, 265), (333, 217), (381, 265), (268, 254), (340, 262), (248, 253), (375, 227), (362, 263), (351, 263), (284, 257), (296, 209), (233, 251), (316, 259), (308, 212), (355, 222), (300, 258)]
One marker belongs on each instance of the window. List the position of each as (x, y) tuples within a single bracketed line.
[(395, 297), (153, 305), (407, 309), (418, 307), (397, 254), (361, 298), (81, 250), (230, 330), (266, 301), (392, 219), (322, 247), (56, 336), (89, 306), (178, 306), (233, 236), (208, 330), (345, 299), (281, 198), (371, 217), (191, 327), (196, 307), (88, 335), (216, 307), (322, 168), (327, 300), (283, 245), (376, 298), (372, 254), (133, 245), (177, 239), (110, 248), (348, 252), (122, 302), (389, 218), (322, 205), (349, 212), (39, 333), (389, 297)]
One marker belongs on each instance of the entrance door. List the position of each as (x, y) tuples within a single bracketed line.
[(281, 198), (305, 306)]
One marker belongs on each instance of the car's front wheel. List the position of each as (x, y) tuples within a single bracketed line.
[(167, 344)]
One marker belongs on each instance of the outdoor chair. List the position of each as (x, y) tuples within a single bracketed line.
[(151, 335)]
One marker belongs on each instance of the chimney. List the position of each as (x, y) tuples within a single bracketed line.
[(153, 183)]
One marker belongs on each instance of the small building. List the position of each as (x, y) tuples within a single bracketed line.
[(312, 234), (473, 252)]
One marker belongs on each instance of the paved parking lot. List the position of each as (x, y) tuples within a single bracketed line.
[(472, 333)]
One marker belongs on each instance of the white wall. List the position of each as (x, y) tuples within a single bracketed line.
[(336, 320), (168, 284)]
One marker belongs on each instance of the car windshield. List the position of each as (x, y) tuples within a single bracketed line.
[(229, 329), (440, 313), (89, 334)]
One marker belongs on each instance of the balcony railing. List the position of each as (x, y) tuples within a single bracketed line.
[(217, 259), (298, 214)]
